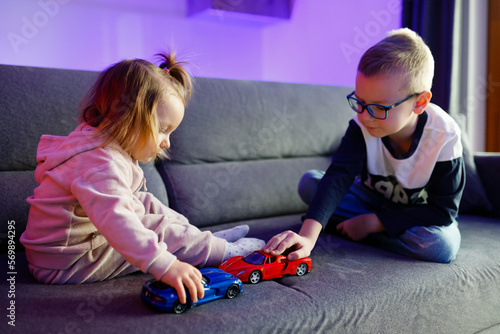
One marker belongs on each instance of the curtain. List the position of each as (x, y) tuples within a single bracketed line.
[(433, 21), (469, 78)]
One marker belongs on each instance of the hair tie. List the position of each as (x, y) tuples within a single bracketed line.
[(166, 69)]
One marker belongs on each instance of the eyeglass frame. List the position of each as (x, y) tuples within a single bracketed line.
[(365, 106)]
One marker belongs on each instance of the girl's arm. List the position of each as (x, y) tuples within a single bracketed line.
[(182, 274), (104, 193)]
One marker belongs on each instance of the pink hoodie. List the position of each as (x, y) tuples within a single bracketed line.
[(78, 179)]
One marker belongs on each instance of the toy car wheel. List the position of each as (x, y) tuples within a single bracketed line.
[(255, 277), (180, 308), (232, 291), (302, 269)]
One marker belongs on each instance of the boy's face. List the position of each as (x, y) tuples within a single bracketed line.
[(387, 90), (170, 114)]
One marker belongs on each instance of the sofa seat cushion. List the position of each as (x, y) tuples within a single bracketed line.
[(352, 287)]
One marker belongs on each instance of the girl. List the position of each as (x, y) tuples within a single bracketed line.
[(88, 220)]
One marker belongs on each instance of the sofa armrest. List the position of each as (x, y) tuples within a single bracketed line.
[(488, 167)]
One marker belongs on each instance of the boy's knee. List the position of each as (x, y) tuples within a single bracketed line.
[(442, 245), (308, 184), (444, 251)]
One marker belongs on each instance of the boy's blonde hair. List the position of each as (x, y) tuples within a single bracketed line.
[(123, 101), (402, 53)]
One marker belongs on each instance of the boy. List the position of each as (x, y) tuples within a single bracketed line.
[(407, 154)]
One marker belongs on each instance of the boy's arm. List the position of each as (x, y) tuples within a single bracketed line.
[(347, 163), (444, 193)]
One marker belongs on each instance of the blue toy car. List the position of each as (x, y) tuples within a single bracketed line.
[(218, 284)]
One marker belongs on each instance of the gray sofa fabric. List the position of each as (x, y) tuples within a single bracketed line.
[(237, 158), (246, 164)]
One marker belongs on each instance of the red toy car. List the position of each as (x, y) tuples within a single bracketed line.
[(259, 266)]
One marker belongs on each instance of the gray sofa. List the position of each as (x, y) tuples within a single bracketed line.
[(237, 158)]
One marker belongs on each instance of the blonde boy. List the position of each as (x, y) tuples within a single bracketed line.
[(398, 175)]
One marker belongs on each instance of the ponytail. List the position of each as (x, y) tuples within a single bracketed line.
[(180, 78)]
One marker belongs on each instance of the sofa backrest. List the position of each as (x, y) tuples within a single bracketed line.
[(238, 154), (33, 101), (243, 146)]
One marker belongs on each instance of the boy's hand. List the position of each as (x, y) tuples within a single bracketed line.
[(359, 227), (285, 240), (182, 274), (303, 242)]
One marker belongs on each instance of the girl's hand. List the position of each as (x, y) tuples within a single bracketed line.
[(303, 242), (359, 227), (182, 274)]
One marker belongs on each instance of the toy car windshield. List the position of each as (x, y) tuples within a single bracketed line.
[(254, 258)]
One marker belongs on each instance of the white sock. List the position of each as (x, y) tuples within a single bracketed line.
[(233, 234), (242, 247)]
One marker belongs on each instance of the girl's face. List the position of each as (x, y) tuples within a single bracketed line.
[(170, 114), (387, 90)]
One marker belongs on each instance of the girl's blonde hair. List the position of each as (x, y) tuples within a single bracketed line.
[(404, 54), (123, 101)]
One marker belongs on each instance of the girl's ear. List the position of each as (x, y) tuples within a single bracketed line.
[(423, 100)]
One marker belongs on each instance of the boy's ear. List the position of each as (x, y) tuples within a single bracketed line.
[(423, 100)]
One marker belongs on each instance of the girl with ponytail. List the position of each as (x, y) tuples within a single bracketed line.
[(89, 220)]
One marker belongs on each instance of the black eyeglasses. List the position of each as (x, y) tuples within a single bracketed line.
[(377, 111)]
